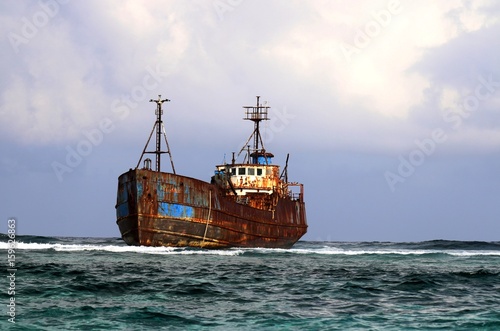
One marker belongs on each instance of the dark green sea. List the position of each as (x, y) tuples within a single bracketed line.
[(102, 284)]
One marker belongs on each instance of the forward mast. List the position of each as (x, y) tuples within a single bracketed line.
[(160, 131)]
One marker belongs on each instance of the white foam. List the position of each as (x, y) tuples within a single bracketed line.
[(328, 250), (119, 249), (338, 251), (325, 250)]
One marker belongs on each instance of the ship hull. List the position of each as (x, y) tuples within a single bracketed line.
[(164, 209)]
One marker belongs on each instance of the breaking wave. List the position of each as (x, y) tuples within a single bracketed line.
[(116, 245)]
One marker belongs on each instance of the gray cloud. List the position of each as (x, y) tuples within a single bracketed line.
[(81, 80)]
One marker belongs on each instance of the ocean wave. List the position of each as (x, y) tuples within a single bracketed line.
[(118, 249), (325, 248), (31, 238), (452, 245), (328, 250)]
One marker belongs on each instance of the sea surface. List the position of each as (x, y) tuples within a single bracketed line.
[(103, 284)]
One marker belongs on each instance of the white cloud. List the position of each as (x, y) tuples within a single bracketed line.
[(92, 53)]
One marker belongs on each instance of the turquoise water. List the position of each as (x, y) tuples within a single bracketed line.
[(102, 284)]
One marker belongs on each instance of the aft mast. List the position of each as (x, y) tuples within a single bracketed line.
[(160, 129), (257, 114)]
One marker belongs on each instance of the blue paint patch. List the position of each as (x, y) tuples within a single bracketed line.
[(187, 195), (175, 210), (140, 189), (122, 210), (264, 159), (123, 189), (122, 194), (160, 191)]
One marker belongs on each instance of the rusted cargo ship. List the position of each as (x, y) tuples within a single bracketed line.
[(246, 204)]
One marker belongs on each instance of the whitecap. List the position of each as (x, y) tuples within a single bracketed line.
[(118, 249)]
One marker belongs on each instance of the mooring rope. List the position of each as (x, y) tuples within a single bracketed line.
[(208, 218)]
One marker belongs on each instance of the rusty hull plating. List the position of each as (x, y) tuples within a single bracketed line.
[(246, 204)]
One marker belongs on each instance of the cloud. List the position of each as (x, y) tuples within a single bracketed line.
[(91, 54), (65, 79), (464, 78), (346, 115)]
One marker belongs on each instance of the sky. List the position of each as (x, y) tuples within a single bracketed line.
[(390, 110)]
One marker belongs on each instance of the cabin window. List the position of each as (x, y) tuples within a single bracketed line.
[(251, 171), (269, 171), (233, 171), (241, 171), (259, 171)]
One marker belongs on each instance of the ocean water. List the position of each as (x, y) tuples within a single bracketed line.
[(102, 284)]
